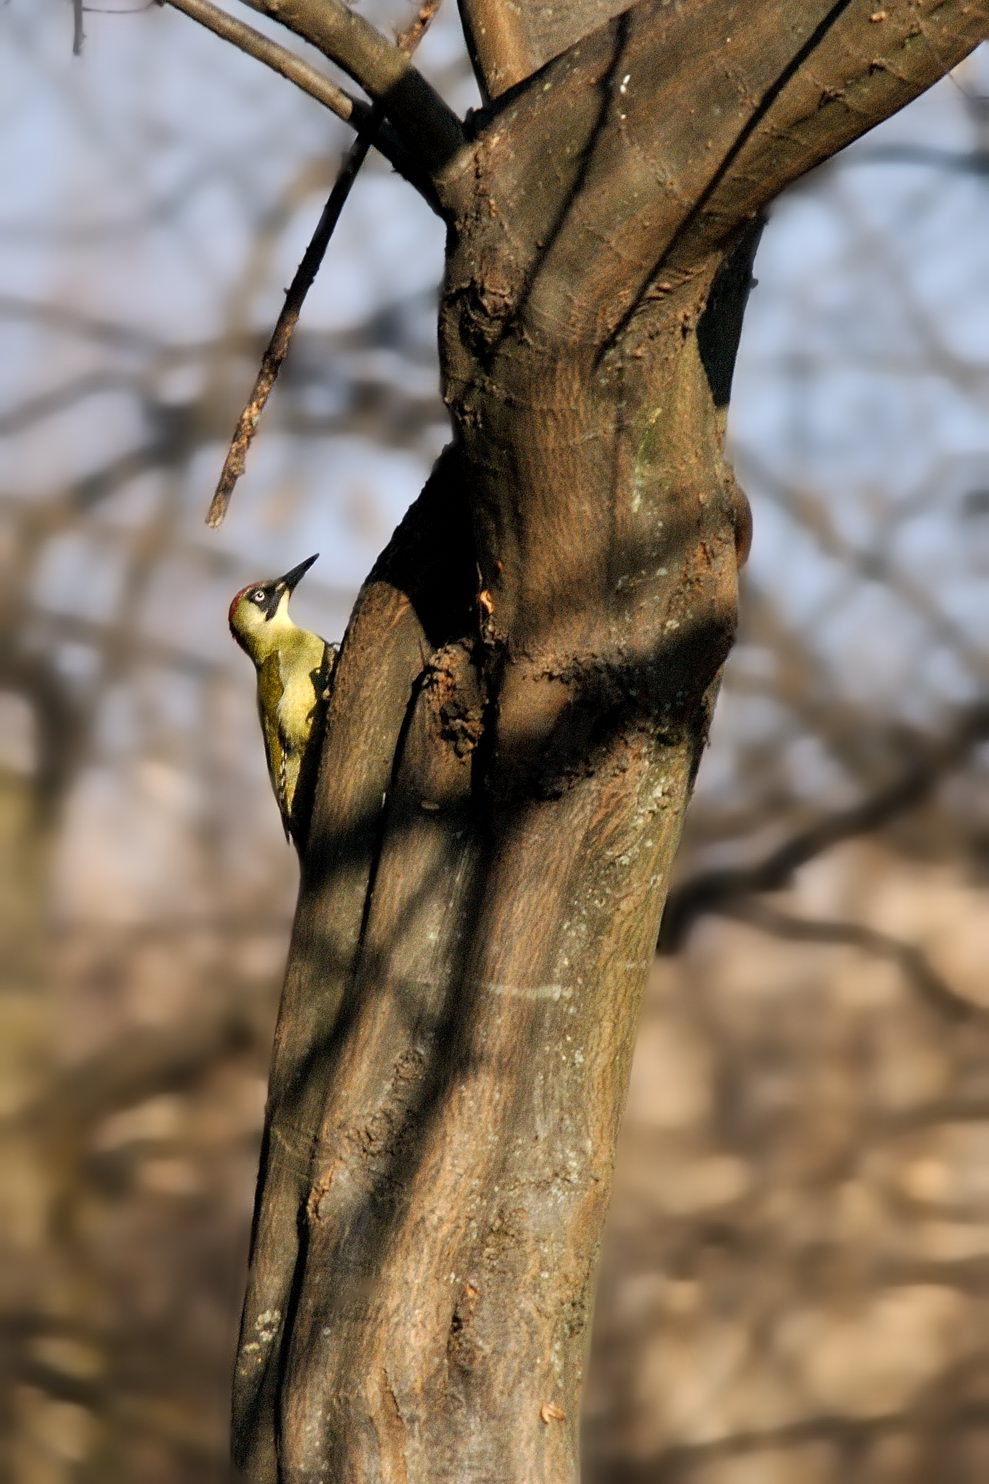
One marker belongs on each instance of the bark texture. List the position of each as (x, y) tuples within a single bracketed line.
[(522, 698)]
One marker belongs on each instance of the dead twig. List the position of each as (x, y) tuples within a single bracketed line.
[(281, 336)]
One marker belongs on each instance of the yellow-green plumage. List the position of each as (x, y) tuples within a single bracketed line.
[(290, 696), (294, 669)]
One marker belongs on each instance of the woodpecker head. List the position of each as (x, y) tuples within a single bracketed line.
[(259, 613)]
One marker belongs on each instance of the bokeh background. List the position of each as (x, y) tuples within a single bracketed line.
[(796, 1272)]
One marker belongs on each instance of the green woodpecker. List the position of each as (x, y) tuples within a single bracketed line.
[(294, 673)]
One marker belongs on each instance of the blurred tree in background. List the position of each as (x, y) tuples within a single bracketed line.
[(794, 1278)]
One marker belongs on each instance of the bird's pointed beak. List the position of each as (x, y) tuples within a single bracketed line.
[(291, 579)]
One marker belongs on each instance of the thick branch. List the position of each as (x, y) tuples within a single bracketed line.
[(501, 53), (429, 127), (509, 42), (351, 110), (606, 123)]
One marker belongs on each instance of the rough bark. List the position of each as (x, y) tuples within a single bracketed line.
[(522, 699)]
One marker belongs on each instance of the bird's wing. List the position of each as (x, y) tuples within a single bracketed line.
[(322, 676), (269, 695)]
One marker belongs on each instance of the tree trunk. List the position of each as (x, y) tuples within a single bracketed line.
[(521, 702)]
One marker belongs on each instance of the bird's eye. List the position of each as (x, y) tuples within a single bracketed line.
[(259, 595)]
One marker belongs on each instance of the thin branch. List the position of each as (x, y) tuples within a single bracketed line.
[(713, 891), (281, 336), (429, 127), (498, 45), (278, 58)]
